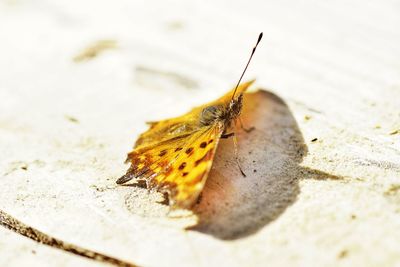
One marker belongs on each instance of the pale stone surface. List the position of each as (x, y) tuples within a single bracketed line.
[(332, 72)]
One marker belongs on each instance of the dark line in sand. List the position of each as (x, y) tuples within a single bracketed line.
[(20, 228)]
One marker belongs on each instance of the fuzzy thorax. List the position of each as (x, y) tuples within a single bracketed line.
[(222, 113)]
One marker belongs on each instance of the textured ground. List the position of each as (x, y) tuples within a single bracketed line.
[(79, 79)]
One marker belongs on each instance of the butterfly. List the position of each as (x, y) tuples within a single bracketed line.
[(174, 156)]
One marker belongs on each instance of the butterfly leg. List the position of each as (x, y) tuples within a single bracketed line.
[(141, 184), (165, 200), (247, 130), (200, 197), (235, 148), (226, 136)]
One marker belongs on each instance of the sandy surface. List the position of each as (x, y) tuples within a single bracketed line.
[(78, 80)]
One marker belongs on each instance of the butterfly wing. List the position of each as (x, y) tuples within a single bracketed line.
[(175, 155), (184, 177), (188, 123), (179, 168)]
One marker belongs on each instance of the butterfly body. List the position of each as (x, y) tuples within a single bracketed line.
[(225, 114), (174, 156)]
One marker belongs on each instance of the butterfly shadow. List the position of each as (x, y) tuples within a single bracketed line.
[(233, 206)]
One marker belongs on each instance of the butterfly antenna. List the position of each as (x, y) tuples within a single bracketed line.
[(248, 62)]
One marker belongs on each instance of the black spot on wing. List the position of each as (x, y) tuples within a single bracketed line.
[(182, 166), (206, 157), (162, 153)]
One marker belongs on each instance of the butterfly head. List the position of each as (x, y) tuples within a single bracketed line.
[(224, 114), (235, 107)]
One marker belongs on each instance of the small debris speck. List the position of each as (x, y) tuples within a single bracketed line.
[(95, 49), (175, 25), (343, 254), (394, 132), (392, 190), (314, 140), (71, 119)]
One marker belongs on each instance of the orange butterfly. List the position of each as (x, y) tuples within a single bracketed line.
[(175, 155)]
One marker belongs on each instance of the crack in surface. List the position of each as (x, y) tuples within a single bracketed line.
[(18, 227)]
